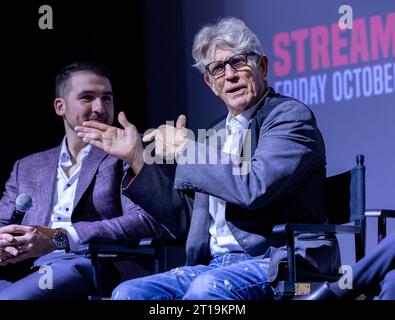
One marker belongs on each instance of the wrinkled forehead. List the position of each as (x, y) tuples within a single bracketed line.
[(220, 53)]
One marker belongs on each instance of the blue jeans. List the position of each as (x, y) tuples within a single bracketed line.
[(68, 276), (232, 276)]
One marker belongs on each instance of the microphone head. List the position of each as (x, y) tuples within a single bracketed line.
[(23, 202)]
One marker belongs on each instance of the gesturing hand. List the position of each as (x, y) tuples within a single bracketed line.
[(124, 144), (168, 139)]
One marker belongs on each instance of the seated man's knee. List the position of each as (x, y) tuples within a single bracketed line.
[(144, 288), (208, 286), (129, 290), (388, 286)]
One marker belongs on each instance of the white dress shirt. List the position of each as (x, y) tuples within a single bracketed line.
[(65, 192), (221, 238)]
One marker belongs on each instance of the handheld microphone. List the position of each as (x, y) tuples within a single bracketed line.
[(22, 203)]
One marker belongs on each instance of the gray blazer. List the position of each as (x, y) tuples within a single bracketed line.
[(285, 184)]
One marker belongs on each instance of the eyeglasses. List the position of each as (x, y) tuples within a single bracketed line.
[(238, 61)]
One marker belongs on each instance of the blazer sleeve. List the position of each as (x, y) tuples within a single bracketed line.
[(289, 147), (104, 214), (7, 202), (153, 190), (129, 228)]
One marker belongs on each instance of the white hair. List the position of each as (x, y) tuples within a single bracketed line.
[(227, 33)]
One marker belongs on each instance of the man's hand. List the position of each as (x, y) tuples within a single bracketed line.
[(168, 139), (27, 242), (7, 250), (124, 144)]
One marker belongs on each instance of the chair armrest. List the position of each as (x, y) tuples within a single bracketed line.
[(310, 227), (153, 247), (387, 213), (289, 230), (145, 246), (381, 215)]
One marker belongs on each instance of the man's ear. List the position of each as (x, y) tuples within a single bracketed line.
[(263, 64), (210, 83), (59, 105)]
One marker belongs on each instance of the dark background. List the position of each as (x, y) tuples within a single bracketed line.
[(82, 30), (110, 32)]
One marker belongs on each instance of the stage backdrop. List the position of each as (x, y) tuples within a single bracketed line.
[(347, 77)]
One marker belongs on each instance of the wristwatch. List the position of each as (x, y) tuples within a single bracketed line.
[(60, 240)]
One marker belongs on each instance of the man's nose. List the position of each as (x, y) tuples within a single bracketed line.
[(97, 105), (230, 73)]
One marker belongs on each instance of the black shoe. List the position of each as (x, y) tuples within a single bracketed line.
[(323, 293)]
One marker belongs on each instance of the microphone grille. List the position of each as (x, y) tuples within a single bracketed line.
[(23, 202)]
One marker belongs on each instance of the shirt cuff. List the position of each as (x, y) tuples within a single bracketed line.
[(74, 239), (128, 179)]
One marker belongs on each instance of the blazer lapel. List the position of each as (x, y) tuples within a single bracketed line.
[(254, 127), (46, 182), (198, 241), (257, 119), (88, 171), (220, 125), (220, 131)]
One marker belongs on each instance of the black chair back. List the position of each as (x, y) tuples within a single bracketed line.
[(346, 201)]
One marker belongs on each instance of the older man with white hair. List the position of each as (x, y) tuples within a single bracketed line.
[(231, 250)]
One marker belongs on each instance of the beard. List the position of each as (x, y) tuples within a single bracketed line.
[(72, 123)]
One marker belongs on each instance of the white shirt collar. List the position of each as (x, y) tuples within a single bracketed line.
[(244, 117), (65, 158)]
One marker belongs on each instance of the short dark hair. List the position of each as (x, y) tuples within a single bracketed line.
[(62, 84)]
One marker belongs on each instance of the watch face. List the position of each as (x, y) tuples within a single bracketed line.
[(60, 240)]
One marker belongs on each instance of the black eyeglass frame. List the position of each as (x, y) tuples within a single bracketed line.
[(229, 61)]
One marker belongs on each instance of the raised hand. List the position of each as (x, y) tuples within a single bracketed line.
[(124, 144), (168, 139)]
